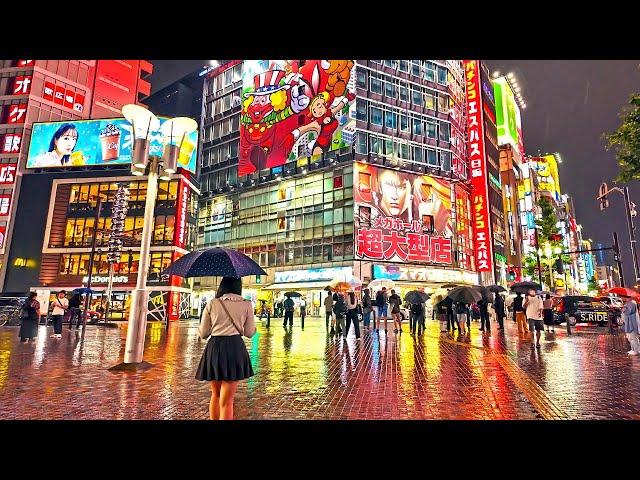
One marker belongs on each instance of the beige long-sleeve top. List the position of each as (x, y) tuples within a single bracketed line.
[(347, 301), (216, 323)]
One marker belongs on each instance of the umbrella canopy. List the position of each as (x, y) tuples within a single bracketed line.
[(214, 262), (450, 285), (381, 282), (292, 294), (524, 287), (487, 296), (497, 288), (465, 295), (416, 296), (545, 292), (624, 292), (344, 284), (84, 290)]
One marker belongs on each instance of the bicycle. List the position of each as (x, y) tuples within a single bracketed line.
[(10, 317)]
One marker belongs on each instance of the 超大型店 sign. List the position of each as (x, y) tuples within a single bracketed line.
[(424, 274)]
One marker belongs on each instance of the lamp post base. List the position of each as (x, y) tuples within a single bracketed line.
[(131, 367)]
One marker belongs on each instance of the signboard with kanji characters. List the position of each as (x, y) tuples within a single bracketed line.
[(21, 85), (17, 113), (11, 143), (5, 204), (478, 165), (401, 217), (8, 173)]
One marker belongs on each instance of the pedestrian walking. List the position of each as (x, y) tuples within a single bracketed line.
[(394, 302), (630, 324), (225, 360), (442, 316), (462, 310), (533, 306), (60, 307), (483, 305), (29, 317), (416, 322), (500, 310), (366, 309), (265, 312), (520, 314), (548, 313), (303, 311), (340, 312), (381, 304), (288, 312), (352, 314), (328, 310), (76, 312), (452, 318)]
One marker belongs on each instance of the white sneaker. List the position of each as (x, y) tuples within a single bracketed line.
[(631, 352), (58, 335)]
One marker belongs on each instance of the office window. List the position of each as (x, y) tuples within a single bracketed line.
[(416, 68), (417, 125), (445, 129), (418, 154), (445, 160), (390, 119), (442, 75), (361, 78), (390, 89), (443, 103), (403, 151), (390, 63), (376, 116), (429, 71), (432, 131), (416, 97), (361, 143), (432, 157), (429, 101), (375, 145), (404, 66), (404, 94), (361, 111), (388, 147), (375, 85), (404, 123)]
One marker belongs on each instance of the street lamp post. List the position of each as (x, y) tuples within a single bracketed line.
[(144, 123)]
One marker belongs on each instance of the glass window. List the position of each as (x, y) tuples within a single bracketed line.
[(376, 116), (404, 123), (338, 216), (443, 103), (444, 131), (376, 85), (416, 68), (404, 66), (361, 78), (404, 94), (389, 89), (418, 154), (388, 147), (361, 143), (375, 145), (403, 151), (416, 97), (429, 101), (429, 71), (361, 111), (328, 217), (390, 119), (445, 160), (442, 75), (432, 157), (389, 63), (417, 126), (432, 131)]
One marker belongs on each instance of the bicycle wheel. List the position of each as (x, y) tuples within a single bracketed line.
[(4, 318)]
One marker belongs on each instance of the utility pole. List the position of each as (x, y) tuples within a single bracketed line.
[(616, 257), (93, 252), (538, 256)]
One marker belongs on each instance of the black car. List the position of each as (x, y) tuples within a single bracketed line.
[(581, 309)]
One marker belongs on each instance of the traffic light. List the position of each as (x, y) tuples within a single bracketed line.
[(604, 202)]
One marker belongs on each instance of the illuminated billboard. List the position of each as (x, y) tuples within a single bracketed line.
[(96, 143), (507, 114), (548, 178), (401, 217), (293, 109)]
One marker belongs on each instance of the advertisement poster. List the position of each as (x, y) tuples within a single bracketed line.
[(96, 142), (293, 108), (401, 216)]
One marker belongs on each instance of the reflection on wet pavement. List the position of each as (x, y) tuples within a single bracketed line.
[(309, 375)]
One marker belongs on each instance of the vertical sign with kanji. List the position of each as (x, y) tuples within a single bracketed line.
[(11, 143), (5, 204), (22, 85), (478, 166), (8, 173), (17, 113)]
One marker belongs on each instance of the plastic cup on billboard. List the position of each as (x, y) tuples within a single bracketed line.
[(77, 159), (185, 152), (110, 142)]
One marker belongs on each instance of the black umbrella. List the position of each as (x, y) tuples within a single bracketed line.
[(449, 285), (524, 287), (416, 296), (292, 294), (214, 262), (497, 288), (465, 295), (487, 296)]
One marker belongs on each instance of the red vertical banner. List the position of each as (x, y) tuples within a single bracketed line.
[(69, 97), (182, 203), (478, 168), (5, 204), (11, 143), (8, 174), (22, 85), (58, 94), (17, 113)]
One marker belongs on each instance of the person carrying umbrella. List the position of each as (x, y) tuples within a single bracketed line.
[(74, 308), (630, 325), (533, 307), (518, 311), (288, 312), (328, 310), (500, 313)]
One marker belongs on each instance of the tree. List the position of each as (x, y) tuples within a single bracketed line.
[(625, 141), (547, 221), (593, 284)]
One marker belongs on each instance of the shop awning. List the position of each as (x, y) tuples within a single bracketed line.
[(298, 286)]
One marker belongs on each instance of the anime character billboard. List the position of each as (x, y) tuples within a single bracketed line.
[(401, 216), (291, 109)]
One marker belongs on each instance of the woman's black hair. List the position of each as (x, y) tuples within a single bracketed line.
[(352, 297), (548, 296), (229, 285), (65, 127), (32, 295)]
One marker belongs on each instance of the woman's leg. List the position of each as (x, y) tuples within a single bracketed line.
[(214, 403), (227, 393)]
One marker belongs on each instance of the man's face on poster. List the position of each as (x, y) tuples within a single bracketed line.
[(394, 193)]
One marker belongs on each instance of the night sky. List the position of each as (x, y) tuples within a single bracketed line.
[(570, 104)]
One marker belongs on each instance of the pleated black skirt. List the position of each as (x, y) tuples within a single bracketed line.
[(225, 358)]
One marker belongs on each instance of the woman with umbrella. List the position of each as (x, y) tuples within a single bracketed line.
[(416, 299), (225, 320)]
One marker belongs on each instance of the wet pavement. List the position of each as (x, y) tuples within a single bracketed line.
[(308, 375)]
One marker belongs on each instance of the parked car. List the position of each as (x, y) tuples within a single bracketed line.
[(615, 307), (581, 308)]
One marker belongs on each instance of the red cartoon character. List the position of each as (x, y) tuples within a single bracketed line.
[(263, 109), (324, 122)]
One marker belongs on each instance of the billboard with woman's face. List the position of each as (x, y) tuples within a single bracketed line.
[(96, 143), (401, 216)]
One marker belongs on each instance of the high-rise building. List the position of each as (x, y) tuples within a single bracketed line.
[(321, 169), (182, 98), (48, 91)]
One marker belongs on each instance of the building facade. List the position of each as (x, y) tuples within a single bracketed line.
[(318, 169), (54, 90)]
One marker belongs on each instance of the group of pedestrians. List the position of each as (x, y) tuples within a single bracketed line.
[(30, 313)]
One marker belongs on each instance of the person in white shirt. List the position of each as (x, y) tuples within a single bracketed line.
[(60, 307), (225, 360), (533, 307)]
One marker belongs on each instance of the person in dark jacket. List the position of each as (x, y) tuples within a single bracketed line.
[(288, 312), (416, 323), (29, 317), (484, 315), (462, 310), (518, 311), (340, 312), (76, 312)]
